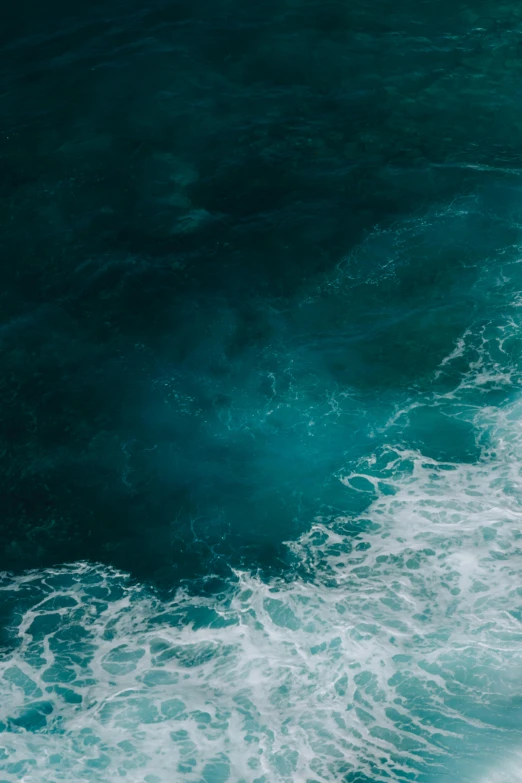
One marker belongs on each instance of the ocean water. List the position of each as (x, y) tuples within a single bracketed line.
[(261, 392)]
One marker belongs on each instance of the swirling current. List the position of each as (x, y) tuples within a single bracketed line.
[(261, 392)]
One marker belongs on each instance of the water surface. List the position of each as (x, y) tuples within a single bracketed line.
[(260, 384)]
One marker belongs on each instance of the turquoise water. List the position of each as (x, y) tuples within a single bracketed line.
[(261, 377)]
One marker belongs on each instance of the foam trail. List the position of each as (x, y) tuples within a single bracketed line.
[(399, 658)]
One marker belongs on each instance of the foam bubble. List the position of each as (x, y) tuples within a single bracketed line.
[(397, 657)]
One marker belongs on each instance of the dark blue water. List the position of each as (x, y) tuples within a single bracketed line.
[(260, 317)]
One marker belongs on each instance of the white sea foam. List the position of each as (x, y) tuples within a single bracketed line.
[(400, 656)]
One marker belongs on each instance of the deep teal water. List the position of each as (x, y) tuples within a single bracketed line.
[(261, 444)]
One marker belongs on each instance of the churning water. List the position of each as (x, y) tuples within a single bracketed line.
[(261, 326)]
